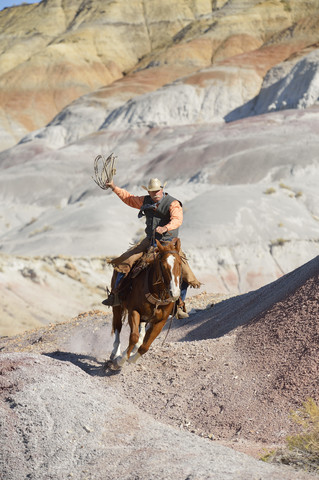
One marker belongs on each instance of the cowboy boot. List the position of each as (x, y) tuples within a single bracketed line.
[(181, 314), (181, 310), (112, 300)]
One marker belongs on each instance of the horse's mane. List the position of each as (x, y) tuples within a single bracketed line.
[(146, 260), (149, 257)]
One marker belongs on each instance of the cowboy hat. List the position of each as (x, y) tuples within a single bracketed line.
[(153, 185)]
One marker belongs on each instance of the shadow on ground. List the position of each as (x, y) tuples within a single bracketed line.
[(89, 364)]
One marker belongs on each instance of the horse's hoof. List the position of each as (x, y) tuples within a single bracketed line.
[(115, 364), (134, 358), (112, 366), (108, 364)]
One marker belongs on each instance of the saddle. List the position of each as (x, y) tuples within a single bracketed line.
[(143, 262), (139, 266)]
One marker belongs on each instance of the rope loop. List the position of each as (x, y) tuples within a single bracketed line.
[(106, 173)]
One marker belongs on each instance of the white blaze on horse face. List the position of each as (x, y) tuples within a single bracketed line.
[(174, 285)]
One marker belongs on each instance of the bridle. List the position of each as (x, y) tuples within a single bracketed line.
[(161, 281)]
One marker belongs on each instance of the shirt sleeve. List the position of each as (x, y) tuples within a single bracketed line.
[(176, 213), (128, 198)]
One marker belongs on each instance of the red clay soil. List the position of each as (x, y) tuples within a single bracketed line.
[(284, 344)]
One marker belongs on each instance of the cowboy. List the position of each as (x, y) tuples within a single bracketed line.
[(164, 216)]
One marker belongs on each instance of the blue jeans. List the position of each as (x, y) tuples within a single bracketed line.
[(184, 288)]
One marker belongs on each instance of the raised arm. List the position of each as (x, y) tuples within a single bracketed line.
[(126, 197)]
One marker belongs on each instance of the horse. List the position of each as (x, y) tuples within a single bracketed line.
[(151, 299)]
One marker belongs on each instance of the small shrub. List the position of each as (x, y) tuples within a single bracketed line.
[(307, 417), (45, 228), (270, 190), (302, 451), (33, 220), (282, 185), (279, 242), (287, 7), (30, 273)]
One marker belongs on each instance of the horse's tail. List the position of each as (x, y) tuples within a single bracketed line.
[(118, 319), (124, 314)]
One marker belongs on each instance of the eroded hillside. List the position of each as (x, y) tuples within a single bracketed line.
[(56, 51)]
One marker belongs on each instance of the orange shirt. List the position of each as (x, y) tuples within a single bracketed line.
[(175, 208)]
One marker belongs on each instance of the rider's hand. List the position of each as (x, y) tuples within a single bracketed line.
[(110, 185), (161, 230)]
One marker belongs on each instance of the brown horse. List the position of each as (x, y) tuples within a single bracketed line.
[(149, 303)]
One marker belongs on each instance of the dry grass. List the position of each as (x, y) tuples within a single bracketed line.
[(269, 191), (302, 450)]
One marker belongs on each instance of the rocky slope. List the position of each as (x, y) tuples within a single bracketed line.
[(227, 376), (103, 435)]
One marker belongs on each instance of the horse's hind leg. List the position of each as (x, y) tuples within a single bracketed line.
[(117, 327)]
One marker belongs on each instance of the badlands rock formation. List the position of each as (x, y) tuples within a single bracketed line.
[(53, 52), (49, 289), (218, 98)]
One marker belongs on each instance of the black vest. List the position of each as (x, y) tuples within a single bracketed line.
[(158, 217)]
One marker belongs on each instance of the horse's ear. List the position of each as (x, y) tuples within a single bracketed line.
[(177, 244), (159, 245)]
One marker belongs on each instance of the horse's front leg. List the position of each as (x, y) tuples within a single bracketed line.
[(134, 322), (142, 329), (152, 332), (116, 327)]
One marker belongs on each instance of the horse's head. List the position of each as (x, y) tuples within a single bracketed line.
[(171, 266)]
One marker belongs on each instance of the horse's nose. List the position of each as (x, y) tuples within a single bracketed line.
[(175, 293)]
